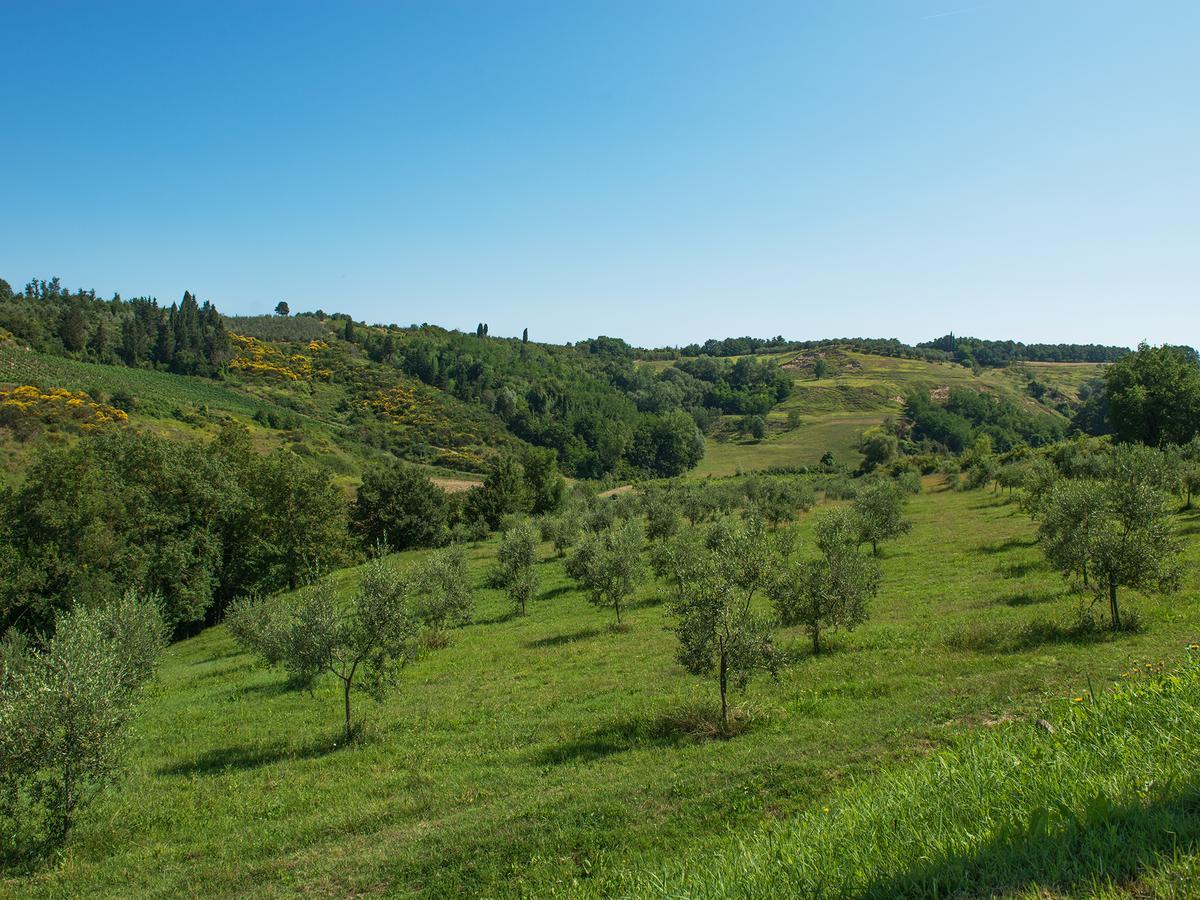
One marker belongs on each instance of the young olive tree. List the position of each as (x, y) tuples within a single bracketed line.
[(1072, 512), (515, 568), (66, 703), (1037, 481), (563, 530), (833, 590), (879, 512), (608, 565), (1118, 529), (662, 514), (444, 595), (1133, 547), (778, 500), (712, 587), (363, 642)]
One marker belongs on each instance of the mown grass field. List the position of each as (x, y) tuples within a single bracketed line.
[(549, 753)]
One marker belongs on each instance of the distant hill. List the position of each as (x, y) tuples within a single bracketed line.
[(349, 394)]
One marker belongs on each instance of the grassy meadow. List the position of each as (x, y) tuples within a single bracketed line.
[(553, 754)]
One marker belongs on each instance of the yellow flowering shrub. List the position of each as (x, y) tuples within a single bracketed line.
[(255, 357), (56, 406)]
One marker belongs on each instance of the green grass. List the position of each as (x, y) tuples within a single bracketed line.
[(802, 446), (536, 754), (1103, 802)]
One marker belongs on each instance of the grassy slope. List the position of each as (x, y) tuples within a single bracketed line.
[(1106, 804), (539, 751), (862, 392), (162, 398)]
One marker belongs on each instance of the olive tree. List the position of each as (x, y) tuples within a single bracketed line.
[(1071, 515), (563, 529), (364, 642), (833, 590), (662, 513), (778, 500), (515, 568), (608, 565), (1118, 529), (713, 585), (878, 511), (444, 595), (66, 704)]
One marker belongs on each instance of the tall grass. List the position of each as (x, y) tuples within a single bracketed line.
[(1103, 800)]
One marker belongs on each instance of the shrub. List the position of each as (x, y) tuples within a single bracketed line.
[(399, 507), (65, 706)]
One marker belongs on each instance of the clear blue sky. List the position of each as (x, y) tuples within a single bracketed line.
[(661, 171)]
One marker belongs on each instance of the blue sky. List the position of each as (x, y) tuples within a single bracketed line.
[(661, 171)]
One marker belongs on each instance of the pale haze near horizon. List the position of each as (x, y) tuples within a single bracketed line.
[(662, 172)]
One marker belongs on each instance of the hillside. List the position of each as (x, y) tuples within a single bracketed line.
[(538, 754), (859, 392)]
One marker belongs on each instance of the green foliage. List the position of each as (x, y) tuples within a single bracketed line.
[(545, 485), (879, 513), (444, 595), (1071, 513), (608, 564), (397, 505), (112, 511), (563, 530), (747, 386), (515, 569), (712, 590), (878, 448), (363, 642), (667, 444), (832, 591), (1117, 529), (503, 493), (968, 414), (1154, 395), (188, 338), (65, 707), (661, 506), (779, 499)]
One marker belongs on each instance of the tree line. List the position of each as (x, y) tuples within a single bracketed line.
[(187, 338)]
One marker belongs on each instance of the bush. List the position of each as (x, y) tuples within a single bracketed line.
[(65, 706), (399, 507)]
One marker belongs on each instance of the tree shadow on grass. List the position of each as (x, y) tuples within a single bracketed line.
[(1031, 635), (1019, 570), (236, 759), (556, 592), (1026, 598), (655, 599), (558, 640), (498, 619), (676, 729), (1013, 543), (1062, 852)]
